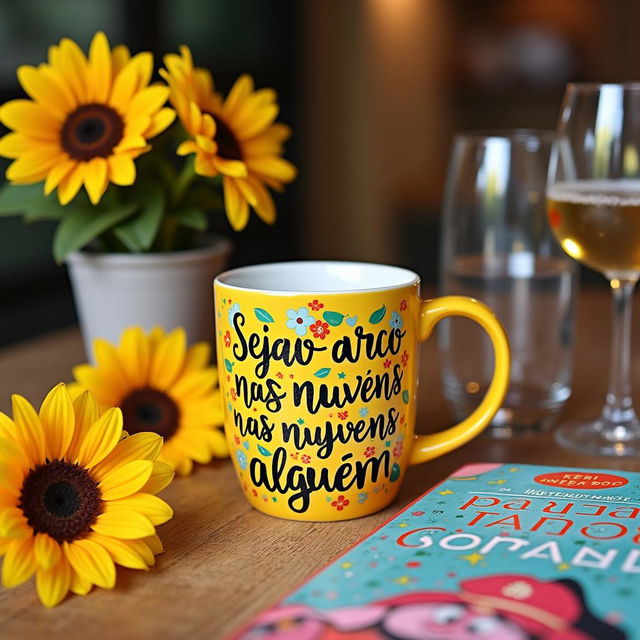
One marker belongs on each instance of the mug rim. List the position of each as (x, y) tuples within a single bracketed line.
[(410, 277)]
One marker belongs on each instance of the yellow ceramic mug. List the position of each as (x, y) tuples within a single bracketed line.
[(318, 368)]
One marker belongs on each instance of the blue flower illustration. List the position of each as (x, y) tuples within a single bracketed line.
[(362, 497), (299, 320), (234, 310), (364, 412), (396, 320), (241, 456)]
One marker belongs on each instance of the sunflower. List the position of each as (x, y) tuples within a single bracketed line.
[(87, 120), (236, 138), (160, 386), (76, 496)]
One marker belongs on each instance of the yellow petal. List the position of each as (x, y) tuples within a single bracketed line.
[(29, 434), (19, 562), (57, 174), (148, 101), (45, 91), (13, 524), (160, 122), (195, 383), (70, 184), (47, 551), (133, 554), (157, 510), (131, 143), (119, 58), (13, 145), (139, 446), (154, 543), (135, 355), (233, 168), (11, 477), (79, 585), (73, 65), (10, 451), (256, 120), (86, 414), (58, 422), (122, 170), (34, 166), (101, 438), (273, 167), (168, 359), (96, 178), (99, 75), (53, 585), (30, 118), (216, 442), (160, 477), (126, 525), (126, 479), (198, 357), (241, 89), (108, 362), (126, 84), (235, 205), (91, 561), (206, 144)]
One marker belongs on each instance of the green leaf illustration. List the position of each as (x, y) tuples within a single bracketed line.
[(263, 451), (228, 365), (263, 315), (405, 396), (378, 314), (333, 318), (395, 472), (322, 373)]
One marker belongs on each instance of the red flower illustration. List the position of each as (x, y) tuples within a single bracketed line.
[(255, 492), (294, 455), (369, 451), (315, 305), (320, 329), (227, 339), (340, 503), (343, 414), (280, 375), (404, 358), (306, 459), (234, 395), (237, 439), (387, 363), (397, 450), (402, 419), (403, 305)]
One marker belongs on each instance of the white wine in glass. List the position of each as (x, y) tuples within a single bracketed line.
[(593, 207)]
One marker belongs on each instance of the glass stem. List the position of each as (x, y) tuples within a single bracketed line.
[(618, 410)]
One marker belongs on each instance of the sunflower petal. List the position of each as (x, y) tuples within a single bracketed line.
[(96, 178), (99, 76), (101, 438), (160, 122), (160, 477), (57, 419), (11, 476), (168, 359), (53, 585), (29, 434), (133, 554), (273, 167), (155, 544), (108, 363), (91, 561), (264, 206), (73, 65), (57, 174), (47, 551), (31, 119), (139, 446), (235, 205), (34, 166), (135, 355), (119, 58), (241, 89), (122, 169), (70, 184), (195, 383), (126, 525), (148, 101), (86, 414), (45, 90), (233, 168), (79, 585), (198, 357), (125, 86), (13, 524), (154, 508), (126, 479), (19, 562), (13, 145)]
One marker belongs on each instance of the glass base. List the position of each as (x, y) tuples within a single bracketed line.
[(601, 437)]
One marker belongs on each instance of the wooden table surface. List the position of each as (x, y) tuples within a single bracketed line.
[(224, 562)]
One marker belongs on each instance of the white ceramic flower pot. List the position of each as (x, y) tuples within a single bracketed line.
[(115, 290)]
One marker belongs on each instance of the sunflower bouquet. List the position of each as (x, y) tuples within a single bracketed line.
[(128, 175)]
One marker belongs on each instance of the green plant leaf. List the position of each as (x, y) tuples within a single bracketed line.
[(15, 198), (377, 315), (138, 232), (405, 396), (333, 318), (191, 217), (263, 315), (322, 373), (263, 451), (82, 226), (228, 365)]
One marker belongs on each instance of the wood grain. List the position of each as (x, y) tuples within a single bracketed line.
[(224, 562)]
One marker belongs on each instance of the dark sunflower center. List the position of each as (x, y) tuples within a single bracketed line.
[(60, 499), (148, 409), (91, 131), (228, 146)]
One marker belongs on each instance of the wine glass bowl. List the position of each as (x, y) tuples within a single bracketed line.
[(593, 207)]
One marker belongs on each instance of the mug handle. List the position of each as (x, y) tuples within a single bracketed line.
[(426, 447)]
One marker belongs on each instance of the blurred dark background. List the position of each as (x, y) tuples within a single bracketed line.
[(373, 90)]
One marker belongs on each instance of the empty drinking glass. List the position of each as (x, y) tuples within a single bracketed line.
[(497, 247)]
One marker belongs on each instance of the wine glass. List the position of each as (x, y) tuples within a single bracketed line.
[(593, 207)]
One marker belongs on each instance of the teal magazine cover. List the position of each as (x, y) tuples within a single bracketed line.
[(496, 551)]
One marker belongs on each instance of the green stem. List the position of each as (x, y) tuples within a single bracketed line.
[(183, 181)]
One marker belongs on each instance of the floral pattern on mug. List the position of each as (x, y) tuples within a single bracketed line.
[(234, 310), (320, 329), (396, 321), (299, 320)]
